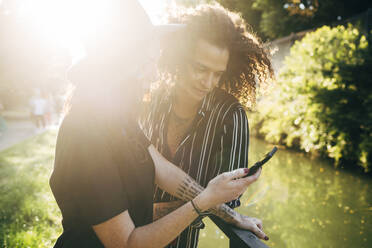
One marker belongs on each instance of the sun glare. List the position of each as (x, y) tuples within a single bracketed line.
[(155, 9), (64, 23)]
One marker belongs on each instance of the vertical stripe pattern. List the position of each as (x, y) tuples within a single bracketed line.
[(217, 142)]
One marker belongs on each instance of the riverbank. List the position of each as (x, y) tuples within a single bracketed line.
[(356, 171), (305, 203), (346, 166)]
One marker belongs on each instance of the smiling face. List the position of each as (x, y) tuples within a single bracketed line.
[(203, 71)]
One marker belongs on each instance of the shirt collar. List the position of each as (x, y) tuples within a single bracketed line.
[(204, 108)]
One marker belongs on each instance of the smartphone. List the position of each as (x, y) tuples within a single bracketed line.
[(259, 164)]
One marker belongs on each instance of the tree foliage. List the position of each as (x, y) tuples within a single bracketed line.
[(272, 19), (282, 17), (322, 102), (250, 15), (28, 56)]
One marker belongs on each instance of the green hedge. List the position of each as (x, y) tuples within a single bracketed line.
[(322, 102)]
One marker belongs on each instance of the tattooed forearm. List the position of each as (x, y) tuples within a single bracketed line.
[(188, 189), (226, 213)]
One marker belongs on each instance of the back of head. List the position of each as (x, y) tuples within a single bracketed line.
[(105, 79)]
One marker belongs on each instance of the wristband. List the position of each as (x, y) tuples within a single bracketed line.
[(200, 213)]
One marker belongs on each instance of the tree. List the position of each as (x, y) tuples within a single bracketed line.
[(323, 100), (27, 58), (282, 17), (250, 15), (272, 19)]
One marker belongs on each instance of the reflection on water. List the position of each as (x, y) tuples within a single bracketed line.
[(304, 203)]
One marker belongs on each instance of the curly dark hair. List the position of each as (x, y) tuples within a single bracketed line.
[(249, 64)]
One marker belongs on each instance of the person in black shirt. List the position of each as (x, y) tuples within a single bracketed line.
[(105, 168)]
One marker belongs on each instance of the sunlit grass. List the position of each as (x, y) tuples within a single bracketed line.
[(29, 216)]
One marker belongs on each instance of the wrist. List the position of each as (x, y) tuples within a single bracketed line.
[(202, 202), (237, 218), (227, 214)]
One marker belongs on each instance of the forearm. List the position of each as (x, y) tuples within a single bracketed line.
[(188, 188), (172, 225), (177, 183), (163, 208)]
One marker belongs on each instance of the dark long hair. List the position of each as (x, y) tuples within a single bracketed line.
[(249, 64)]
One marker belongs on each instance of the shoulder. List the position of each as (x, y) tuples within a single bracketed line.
[(83, 133), (78, 126), (159, 95), (228, 106)]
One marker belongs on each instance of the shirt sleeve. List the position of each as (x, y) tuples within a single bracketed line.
[(96, 185), (234, 143)]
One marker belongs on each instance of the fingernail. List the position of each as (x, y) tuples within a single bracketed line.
[(266, 238), (246, 170)]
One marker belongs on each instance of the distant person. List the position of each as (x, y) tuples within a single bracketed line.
[(50, 108), (38, 105), (196, 118)]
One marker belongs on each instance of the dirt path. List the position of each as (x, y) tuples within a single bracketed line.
[(17, 131)]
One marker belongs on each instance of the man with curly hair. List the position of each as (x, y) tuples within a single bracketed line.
[(210, 70)]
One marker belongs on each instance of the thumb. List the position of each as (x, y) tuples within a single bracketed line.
[(238, 173)]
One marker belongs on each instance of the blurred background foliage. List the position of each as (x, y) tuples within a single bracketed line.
[(322, 100), (30, 58), (272, 19)]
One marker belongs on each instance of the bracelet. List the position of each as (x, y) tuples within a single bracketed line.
[(200, 213)]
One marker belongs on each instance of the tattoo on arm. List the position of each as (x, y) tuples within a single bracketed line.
[(189, 189), (225, 212), (163, 208)]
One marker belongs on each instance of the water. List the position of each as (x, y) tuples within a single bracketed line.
[(304, 203)]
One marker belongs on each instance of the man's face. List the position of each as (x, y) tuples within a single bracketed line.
[(204, 69)]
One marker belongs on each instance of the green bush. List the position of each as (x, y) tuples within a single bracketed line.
[(322, 102)]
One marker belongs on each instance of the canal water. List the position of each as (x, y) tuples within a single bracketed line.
[(303, 203)]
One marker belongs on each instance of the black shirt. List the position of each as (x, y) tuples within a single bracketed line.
[(100, 172)]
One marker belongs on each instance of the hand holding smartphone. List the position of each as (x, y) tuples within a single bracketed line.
[(260, 163)]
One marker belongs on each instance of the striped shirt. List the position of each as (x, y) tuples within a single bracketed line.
[(216, 142)]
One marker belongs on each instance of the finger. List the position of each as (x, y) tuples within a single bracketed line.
[(245, 182), (238, 173), (253, 177), (259, 224), (259, 233), (257, 173)]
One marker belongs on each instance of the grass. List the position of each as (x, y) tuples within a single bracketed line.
[(29, 215)]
